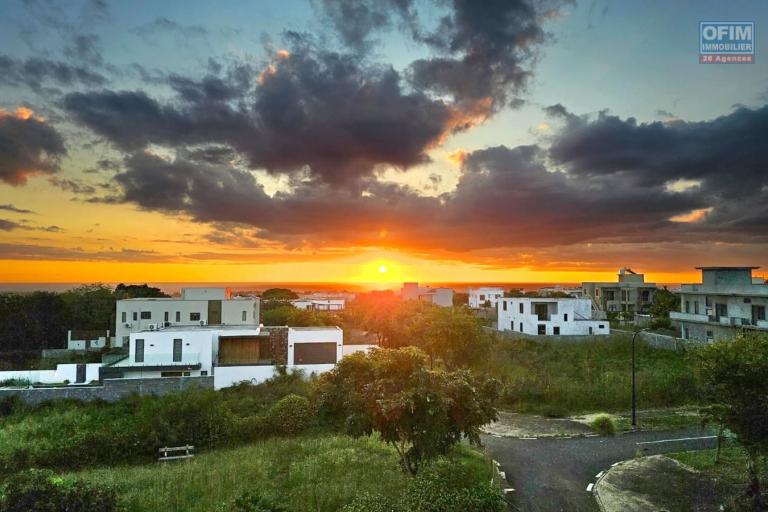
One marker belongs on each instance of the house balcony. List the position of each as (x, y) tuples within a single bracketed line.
[(688, 317)]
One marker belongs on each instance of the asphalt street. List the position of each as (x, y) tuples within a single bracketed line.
[(551, 475)]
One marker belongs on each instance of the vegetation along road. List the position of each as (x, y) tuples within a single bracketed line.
[(551, 475)]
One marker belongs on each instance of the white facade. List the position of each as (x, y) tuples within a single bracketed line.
[(549, 316), (195, 307), (439, 296), (547, 291), (319, 304), (727, 300), (77, 341), (478, 297), (64, 373), (194, 352)]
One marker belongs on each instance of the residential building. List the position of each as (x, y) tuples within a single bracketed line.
[(319, 304), (549, 291), (230, 354), (480, 297), (196, 306), (727, 300), (438, 296), (629, 293), (538, 316)]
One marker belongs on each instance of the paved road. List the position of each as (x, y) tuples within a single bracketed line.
[(551, 475)]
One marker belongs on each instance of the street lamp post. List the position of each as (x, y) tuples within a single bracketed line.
[(634, 388)]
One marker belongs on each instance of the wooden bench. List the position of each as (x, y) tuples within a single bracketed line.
[(176, 452)]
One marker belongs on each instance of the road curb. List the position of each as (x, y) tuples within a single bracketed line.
[(592, 487)]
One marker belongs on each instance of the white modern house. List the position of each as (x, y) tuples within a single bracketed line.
[(88, 340), (479, 297), (195, 307), (230, 354), (727, 300), (439, 296), (548, 291), (319, 304), (549, 317)]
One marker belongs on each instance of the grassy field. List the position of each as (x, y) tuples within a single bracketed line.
[(732, 467), (559, 379), (307, 474)]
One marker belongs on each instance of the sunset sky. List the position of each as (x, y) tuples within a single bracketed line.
[(377, 141)]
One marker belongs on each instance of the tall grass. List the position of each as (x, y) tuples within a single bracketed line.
[(319, 474), (593, 375)]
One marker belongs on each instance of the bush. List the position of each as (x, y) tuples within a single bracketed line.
[(251, 502), (291, 415), (604, 425), (373, 503), (10, 405), (41, 491)]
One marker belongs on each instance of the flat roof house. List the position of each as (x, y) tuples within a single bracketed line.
[(536, 316), (230, 354), (479, 297), (629, 293), (195, 307), (323, 304), (438, 296), (727, 300)]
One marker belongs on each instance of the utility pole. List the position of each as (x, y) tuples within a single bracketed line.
[(634, 387)]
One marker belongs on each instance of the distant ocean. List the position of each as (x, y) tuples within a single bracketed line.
[(172, 288)]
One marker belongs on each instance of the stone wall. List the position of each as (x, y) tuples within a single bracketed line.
[(111, 390)]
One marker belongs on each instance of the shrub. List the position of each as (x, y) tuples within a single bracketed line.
[(10, 404), (41, 491), (15, 383), (604, 425), (373, 503), (291, 415), (199, 418), (447, 486), (251, 502)]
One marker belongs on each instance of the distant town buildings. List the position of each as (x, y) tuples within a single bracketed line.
[(195, 307), (549, 291), (727, 300), (438, 296), (630, 293), (484, 296), (549, 317), (319, 304)]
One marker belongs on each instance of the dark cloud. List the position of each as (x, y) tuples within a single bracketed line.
[(484, 50), (9, 225), (311, 111), (36, 72), (84, 48), (70, 185), (162, 25), (27, 146), (12, 208)]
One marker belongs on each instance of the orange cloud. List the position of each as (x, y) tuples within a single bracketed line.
[(692, 216), (457, 157), (22, 113)]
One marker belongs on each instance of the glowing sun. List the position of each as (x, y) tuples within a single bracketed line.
[(382, 269)]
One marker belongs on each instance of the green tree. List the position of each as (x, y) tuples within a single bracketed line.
[(279, 294), (135, 291), (663, 302), (735, 379), (420, 412)]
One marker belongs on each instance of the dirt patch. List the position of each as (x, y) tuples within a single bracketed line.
[(657, 484), (511, 424), (587, 419)]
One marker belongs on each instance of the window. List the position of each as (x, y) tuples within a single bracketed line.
[(482, 298), (597, 292), (512, 325), (747, 300), (177, 350), (710, 336), (187, 374), (314, 353), (610, 295), (204, 373), (565, 317), (687, 306), (245, 316), (521, 326), (591, 331), (556, 330), (601, 326), (505, 305), (146, 315), (167, 316), (521, 308), (194, 316), (695, 307), (135, 316), (708, 302), (178, 316), (124, 317), (758, 313), (170, 374), (542, 329), (139, 351)]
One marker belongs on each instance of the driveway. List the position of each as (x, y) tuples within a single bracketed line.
[(551, 475)]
